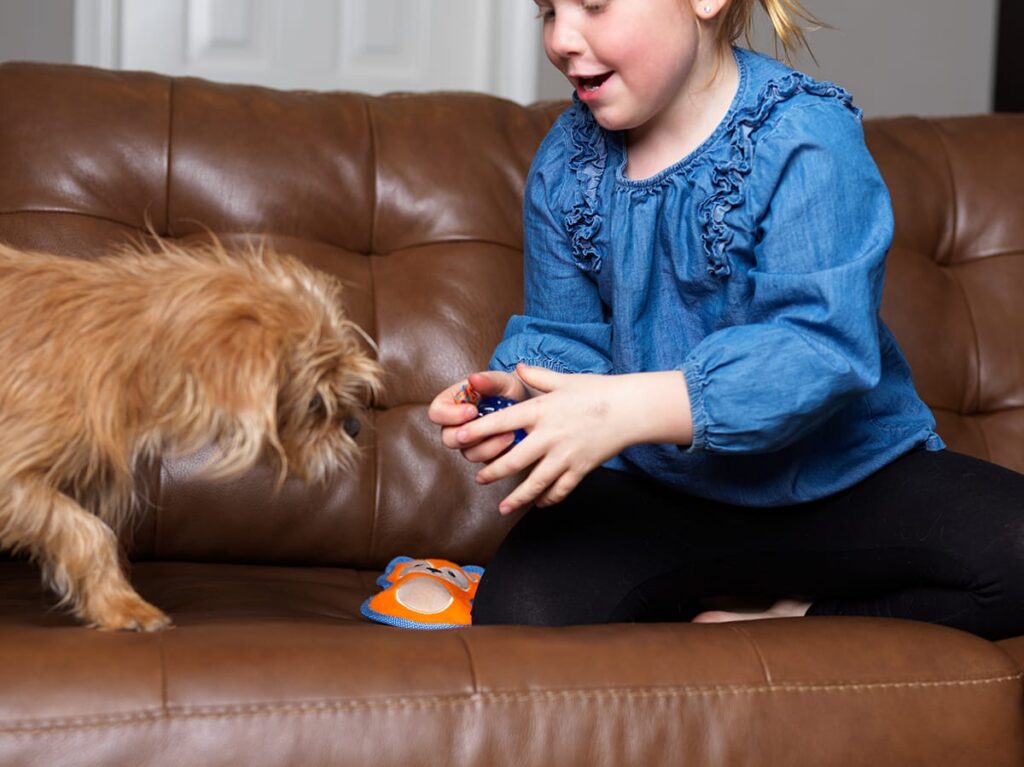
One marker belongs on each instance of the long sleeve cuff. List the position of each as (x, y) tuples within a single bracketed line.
[(562, 347), (695, 388)]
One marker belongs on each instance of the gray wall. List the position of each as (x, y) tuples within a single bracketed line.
[(37, 30), (925, 57)]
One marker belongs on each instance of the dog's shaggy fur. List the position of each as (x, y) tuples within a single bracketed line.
[(151, 351)]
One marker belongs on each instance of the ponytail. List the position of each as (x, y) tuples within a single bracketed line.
[(785, 15)]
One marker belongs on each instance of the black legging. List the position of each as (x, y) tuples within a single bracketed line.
[(937, 537)]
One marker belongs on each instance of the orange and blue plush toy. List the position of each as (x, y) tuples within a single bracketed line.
[(424, 594)]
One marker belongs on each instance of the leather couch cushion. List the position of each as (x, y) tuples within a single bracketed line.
[(273, 665)]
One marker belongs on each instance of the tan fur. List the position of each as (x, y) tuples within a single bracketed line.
[(149, 352)]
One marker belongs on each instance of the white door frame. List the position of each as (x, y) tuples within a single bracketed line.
[(97, 42), (514, 43)]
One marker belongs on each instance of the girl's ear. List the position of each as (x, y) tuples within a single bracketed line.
[(706, 10)]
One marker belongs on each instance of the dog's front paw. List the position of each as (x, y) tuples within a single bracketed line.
[(129, 613)]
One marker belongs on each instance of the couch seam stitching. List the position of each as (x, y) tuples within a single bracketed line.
[(164, 708), (627, 693), (947, 162), (375, 333), (410, 246), (375, 521), (976, 405), (170, 157), (469, 657), (58, 211), (952, 183), (976, 413), (371, 132), (757, 650), (985, 255)]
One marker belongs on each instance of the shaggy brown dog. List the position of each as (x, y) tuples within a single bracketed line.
[(147, 352)]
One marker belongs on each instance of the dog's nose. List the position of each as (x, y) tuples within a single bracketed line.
[(352, 426)]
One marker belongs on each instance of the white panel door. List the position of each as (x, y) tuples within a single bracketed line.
[(375, 46)]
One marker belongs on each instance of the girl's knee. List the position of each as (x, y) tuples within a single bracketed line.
[(510, 595)]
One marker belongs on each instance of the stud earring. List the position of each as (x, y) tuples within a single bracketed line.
[(707, 9)]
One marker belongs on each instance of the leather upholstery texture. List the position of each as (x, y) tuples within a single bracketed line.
[(414, 202)]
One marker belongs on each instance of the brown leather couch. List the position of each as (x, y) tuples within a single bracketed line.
[(414, 201)]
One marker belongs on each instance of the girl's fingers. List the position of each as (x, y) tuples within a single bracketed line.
[(444, 411), (560, 490), (545, 474), (448, 438), (489, 449), (501, 421), (539, 378), (493, 382), (523, 455), (487, 384)]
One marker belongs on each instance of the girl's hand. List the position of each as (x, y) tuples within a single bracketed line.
[(450, 415), (578, 423)]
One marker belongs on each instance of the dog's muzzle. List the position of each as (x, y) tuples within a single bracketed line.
[(352, 426)]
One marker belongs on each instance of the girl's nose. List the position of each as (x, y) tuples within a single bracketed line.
[(564, 39)]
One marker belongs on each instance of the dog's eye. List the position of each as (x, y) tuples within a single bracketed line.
[(317, 406)]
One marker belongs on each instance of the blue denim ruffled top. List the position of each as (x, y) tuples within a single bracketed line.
[(754, 265)]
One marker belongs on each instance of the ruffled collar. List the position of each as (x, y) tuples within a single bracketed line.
[(589, 158), (587, 163), (712, 141)]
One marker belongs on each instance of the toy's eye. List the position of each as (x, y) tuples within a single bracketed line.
[(457, 578)]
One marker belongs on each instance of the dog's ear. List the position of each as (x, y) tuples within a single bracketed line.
[(235, 371), (237, 365)]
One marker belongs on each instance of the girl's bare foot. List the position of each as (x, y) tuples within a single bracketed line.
[(784, 608)]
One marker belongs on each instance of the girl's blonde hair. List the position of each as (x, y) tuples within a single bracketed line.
[(785, 15)]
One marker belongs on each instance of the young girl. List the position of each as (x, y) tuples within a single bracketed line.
[(714, 408)]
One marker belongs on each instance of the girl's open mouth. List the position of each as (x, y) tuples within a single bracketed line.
[(589, 86)]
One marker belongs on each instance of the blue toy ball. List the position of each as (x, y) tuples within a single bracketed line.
[(488, 405)]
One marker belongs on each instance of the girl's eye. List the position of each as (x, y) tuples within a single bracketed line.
[(547, 13)]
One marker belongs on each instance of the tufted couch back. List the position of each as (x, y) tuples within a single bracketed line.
[(955, 273), (415, 203)]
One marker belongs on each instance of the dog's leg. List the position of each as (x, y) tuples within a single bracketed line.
[(78, 554)]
